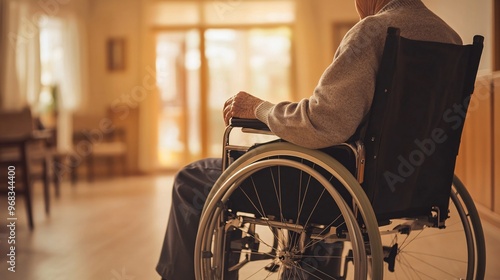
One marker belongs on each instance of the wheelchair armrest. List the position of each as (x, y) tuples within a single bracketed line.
[(248, 123)]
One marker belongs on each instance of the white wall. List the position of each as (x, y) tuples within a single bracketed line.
[(468, 18), (112, 19)]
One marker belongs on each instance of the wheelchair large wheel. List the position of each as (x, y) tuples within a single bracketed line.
[(415, 250), (302, 224)]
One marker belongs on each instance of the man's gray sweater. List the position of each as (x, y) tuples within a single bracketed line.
[(345, 91)]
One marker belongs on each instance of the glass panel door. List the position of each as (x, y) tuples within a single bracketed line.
[(255, 60), (178, 61)]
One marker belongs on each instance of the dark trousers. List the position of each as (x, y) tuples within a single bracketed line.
[(190, 190)]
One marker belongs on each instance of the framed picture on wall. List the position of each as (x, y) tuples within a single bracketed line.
[(115, 49)]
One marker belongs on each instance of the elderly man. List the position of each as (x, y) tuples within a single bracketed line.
[(329, 116)]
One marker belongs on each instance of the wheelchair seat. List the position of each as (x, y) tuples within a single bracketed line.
[(380, 206)]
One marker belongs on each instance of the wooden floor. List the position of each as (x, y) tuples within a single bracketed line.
[(110, 230)]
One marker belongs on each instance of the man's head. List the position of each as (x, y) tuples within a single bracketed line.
[(369, 7)]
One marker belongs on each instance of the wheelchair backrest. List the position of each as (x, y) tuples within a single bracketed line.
[(415, 123)]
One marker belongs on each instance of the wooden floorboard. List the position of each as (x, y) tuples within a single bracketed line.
[(111, 229)]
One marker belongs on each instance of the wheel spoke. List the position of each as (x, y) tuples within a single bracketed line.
[(289, 242), (314, 242), (435, 256), (277, 194), (324, 274)]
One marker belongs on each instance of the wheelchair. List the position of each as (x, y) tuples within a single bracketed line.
[(385, 205)]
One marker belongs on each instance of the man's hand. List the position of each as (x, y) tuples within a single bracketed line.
[(241, 105)]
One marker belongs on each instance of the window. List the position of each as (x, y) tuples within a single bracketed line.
[(63, 73), (256, 60), (51, 54), (178, 80), (207, 52)]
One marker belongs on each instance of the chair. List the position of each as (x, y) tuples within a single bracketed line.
[(96, 145), (381, 207), (23, 149)]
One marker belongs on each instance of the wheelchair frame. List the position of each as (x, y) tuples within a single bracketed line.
[(227, 240), (369, 251)]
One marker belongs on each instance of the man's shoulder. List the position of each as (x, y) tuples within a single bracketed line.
[(368, 35)]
